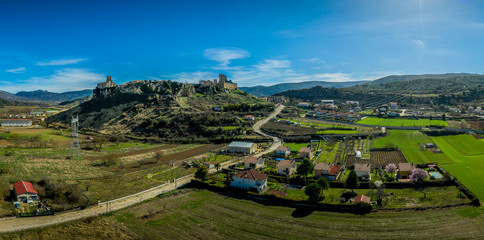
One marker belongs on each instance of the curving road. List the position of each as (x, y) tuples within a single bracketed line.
[(276, 142), (21, 224)]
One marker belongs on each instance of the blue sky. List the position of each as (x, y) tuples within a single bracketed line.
[(72, 45)]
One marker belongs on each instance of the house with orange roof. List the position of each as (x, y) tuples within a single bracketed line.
[(250, 180)]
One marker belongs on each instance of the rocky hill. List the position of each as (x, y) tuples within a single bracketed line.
[(164, 109), (263, 91)]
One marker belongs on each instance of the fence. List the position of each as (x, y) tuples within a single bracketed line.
[(35, 214)]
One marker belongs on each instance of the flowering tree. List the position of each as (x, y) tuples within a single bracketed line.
[(391, 168), (418, 176)]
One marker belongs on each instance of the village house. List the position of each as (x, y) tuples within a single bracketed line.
[(283, 151), (249, 118), (250, 180), (16, 122), (253, 162), (286, 167), (25, 192), (303, 104), (327, 170), (242, 147), (362, 198), (208, 165), (306, 152), (363, 171), (404, 170)]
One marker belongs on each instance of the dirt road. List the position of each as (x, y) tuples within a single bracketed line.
[(276, 141), (20, 224)]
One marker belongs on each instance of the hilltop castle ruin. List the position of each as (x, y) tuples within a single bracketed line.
[(222, 83), (104, 88)]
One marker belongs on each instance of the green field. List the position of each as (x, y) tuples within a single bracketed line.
[(337, 132), (207, 215), (295, 146), (408, 142), (396, 122), (467, 152)]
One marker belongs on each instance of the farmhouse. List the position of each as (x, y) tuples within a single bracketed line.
[(283, 151), (208, 165), (253, 162), (326, 170), (16, 122), (249, 117), (251, 180), (362, 198), (286, 167), (404, 170), (303, 104), (363, 171), (306, 152), (25, 192), (242, 147)]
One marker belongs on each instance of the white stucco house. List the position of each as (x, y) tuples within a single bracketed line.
[(250, 180), (363, 171)]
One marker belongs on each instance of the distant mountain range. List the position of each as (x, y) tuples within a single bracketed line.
[(263, 91), (44, 96), (398, 78)]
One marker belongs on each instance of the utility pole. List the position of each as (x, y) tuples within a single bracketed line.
[(75, 145)]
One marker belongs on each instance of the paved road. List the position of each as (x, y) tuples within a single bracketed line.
[(20, 224)]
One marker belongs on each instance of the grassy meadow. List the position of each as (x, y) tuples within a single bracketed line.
[(208, 215), (468, 155), (396, 122), (409, 141)]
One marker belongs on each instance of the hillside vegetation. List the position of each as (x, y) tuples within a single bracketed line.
[(166, 109), (452, 90)]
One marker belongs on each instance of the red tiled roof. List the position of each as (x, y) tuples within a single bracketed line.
[(251, 174), (362, 198), (252, 159), (305, 149), (282, 148), (322, 166), (286, 163), (406, 166), (24, 187), (334, 170)]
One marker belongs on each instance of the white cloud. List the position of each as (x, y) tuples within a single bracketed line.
[(59, 62), (67, 79), (419, 43), (224, 55), (272, 64), (16, 70), (316, 60)]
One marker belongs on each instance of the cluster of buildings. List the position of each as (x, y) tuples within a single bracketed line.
[(16, 122), (334, 115)]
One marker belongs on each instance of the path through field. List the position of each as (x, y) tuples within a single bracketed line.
[(20, 224)]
